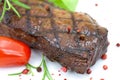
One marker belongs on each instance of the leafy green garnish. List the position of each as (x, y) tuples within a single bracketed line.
[(29, 67), (65, 4), (46, 71), (8, 5)]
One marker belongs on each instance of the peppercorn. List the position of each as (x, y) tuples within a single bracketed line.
[(39, 69), (105, 67), (69, 29), (104, 56), (89, 71), (25, 71), (64, 69), (78, 31), (118, 44)]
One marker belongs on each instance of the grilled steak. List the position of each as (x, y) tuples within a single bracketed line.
[(74, 40)]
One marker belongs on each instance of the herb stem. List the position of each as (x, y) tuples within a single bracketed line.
[(46, 71), (31, 66), (15, 74), (7, 5), (4, 10)]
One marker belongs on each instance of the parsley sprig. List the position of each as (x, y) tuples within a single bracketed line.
[(8, 5)]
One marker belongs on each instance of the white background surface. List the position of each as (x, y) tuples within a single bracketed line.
[(107, 14)]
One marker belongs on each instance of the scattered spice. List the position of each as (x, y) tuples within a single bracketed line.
[(69, 29), (59, 74), (118, 44), (65, 79), (96, 4), (52, 74), (78, 31), (25, 71), (91, 78), (89, 71), (101, 79), (64, 69), (105, 67), (39, 69), (104, 57)]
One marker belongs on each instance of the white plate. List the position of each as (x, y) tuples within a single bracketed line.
[(107, 14)]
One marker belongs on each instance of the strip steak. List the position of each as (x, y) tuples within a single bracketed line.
[(75, 40)]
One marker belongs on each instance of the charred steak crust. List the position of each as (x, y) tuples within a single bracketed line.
[(74, 40)]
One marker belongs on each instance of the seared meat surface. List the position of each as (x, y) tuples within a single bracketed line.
[(74, 40)]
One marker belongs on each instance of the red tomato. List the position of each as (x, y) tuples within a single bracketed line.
[(13, 52)]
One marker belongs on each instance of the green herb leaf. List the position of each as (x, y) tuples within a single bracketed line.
[(0, 0), (65, 4), (18, 3), (15, 11), (4, 10)]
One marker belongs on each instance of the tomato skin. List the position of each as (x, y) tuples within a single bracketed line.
[(13, 52)]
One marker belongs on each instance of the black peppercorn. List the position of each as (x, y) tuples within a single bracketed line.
[(39, 69)]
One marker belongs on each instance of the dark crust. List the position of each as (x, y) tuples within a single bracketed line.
[(45, 27)]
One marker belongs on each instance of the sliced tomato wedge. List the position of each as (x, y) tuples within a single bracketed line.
[(13, 52)]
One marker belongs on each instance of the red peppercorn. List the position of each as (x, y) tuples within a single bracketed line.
[(89, 71), (65, 79), (105, 67), (101, 79), (52, 74), (59, 74), (104, 56), (118, 44), (69, 29), (64, 69), (96, 4), (78, 31), (25, 71), (91, 78)]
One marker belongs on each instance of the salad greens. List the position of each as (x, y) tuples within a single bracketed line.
[(8, 5), (65, 4)]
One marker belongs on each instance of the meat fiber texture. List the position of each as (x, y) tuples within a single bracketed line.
[(75, 40)]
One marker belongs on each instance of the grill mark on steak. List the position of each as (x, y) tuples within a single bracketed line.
[(47, 30)]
